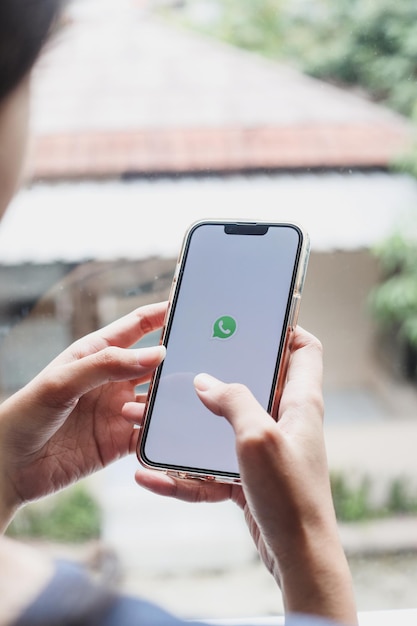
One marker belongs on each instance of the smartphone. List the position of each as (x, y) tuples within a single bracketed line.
[(232, 309)]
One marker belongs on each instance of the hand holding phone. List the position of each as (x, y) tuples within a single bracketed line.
[(233, 306), (285, 492)]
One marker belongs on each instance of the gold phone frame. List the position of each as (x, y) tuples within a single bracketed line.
[(291, 318)]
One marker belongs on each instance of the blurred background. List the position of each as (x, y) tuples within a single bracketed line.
[(148, 115)]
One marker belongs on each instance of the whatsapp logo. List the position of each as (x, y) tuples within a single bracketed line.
[(224, 327)]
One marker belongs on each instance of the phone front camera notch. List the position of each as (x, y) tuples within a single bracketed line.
[(252, 228)]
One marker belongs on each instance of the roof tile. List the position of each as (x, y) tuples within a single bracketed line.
[(116, 153)]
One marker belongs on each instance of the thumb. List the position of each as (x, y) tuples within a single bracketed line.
[(233, 401), (66, 383)]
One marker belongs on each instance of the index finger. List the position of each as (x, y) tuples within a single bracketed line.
[(123, 332), (186, 489), (306, 356), (135, 325), (303, 388)]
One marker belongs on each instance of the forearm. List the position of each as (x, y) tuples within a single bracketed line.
[(315, 578), (6, 516), (9, 500), (8, 508)]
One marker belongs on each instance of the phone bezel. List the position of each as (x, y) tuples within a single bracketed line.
[(290, 320)]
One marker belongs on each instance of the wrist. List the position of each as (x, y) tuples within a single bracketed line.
[(8, 505), (10, 500), (6, 516), (315, 577)]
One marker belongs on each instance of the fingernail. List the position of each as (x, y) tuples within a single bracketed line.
[(204, 382), (149, 356)]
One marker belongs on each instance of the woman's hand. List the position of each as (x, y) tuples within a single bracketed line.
[(285, 490), (66, 423)]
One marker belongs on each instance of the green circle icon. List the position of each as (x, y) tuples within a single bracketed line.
[(224, 327)]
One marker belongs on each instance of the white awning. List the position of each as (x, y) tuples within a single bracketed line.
[(72, 222)]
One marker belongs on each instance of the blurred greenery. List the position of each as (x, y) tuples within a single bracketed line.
[(72, 516), (255, 25), (354, 501), (370, 44), (401, 497), (351, 503), (393, 301), (364, 43)]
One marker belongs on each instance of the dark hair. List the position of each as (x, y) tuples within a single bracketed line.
[(25, 26)]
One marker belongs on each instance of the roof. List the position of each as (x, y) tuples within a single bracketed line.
[(137, 219), (121, 91)]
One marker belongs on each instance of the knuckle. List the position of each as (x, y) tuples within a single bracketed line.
[(260, 441), (313, 343), (316, 402), (234, 391), (311, 401), (145, 320), (305, 339), (53, 391), (317, 345), (108, 357)]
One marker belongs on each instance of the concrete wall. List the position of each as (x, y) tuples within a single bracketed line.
[(335, 307)]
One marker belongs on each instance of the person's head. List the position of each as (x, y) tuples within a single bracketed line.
[(25, 26)]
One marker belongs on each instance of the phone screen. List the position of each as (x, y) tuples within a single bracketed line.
[(228, 319)]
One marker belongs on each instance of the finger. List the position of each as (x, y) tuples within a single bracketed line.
[(188, 490), (135, 325), (124, 332), (303, 389), (306, 357), (133, 412), (143, 380), (70, 381), (233, 401)]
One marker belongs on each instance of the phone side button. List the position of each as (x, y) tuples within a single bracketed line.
[(295, 308)]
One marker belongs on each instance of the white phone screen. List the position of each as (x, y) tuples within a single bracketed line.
[(228, 320)]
